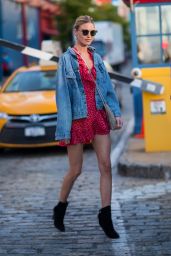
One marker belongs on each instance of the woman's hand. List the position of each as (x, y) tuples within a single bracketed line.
[(67, 141), (119, 122)]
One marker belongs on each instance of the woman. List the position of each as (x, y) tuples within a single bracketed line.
[(82, 118)]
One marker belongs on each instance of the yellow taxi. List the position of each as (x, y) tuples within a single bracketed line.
[(28, 108)]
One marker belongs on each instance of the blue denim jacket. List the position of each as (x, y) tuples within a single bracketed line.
[(70, 96)]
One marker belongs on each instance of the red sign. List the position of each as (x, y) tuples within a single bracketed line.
[(146, 1)]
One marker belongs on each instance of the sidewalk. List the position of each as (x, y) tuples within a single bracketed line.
[(142, 190), (136, 162)]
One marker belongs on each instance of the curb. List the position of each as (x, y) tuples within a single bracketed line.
[(143, 171), (135, 162)]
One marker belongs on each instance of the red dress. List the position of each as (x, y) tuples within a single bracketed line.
[(84, 130)]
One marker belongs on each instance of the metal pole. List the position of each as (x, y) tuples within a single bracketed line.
[(40, 26), (1, 71), (24, 30), (132, 5)]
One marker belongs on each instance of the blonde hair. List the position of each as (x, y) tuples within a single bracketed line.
[(82, 20)]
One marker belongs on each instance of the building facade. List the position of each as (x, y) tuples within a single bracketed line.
[(26, 22)]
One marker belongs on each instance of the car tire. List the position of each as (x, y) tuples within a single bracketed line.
[(1, 150)]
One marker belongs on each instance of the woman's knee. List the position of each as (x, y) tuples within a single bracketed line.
[(74, 172), (105, 167), (75, 154)]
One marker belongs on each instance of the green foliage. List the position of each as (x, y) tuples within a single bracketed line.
[(71, 9)]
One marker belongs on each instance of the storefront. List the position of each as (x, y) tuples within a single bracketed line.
[(26, 22)]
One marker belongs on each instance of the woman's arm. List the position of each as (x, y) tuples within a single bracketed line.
[(64, 116), (112, 99)]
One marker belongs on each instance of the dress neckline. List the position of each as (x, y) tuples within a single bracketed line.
[(78, 54)]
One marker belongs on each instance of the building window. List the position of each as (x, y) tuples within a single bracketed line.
[(153, 34)]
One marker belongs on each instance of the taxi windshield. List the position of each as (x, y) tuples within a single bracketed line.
[(32, 81)]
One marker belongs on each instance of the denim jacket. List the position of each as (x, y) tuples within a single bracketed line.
[(70, 95)]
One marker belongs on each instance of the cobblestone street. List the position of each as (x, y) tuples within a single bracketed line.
[(28, 191)]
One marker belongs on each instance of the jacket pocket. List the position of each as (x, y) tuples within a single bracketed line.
[(101, 72), (101, 68), (71, 79), (70, 75)]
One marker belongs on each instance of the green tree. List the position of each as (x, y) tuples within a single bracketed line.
[(71, 9)]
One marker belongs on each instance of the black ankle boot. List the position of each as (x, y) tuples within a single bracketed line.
[(105, 221), (58, 215)]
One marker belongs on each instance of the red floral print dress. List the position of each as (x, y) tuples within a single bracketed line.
[(84, 130)]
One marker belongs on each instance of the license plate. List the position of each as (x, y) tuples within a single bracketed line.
[(34, 131)]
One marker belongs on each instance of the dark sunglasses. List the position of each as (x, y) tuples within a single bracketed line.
[(85, 32)]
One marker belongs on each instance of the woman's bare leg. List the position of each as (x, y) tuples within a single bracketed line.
[(75, 156), (102, 147)]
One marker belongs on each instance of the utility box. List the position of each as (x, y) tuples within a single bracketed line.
[(157, 111)]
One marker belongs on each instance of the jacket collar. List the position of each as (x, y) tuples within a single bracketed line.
[(72, 52)]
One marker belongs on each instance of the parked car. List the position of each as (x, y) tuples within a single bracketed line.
[(28, 108)]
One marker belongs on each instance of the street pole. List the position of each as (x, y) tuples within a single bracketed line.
[(1, 71), (24, 30), (132, 5)]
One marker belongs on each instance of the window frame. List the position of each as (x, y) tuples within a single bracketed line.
[(135, 36)]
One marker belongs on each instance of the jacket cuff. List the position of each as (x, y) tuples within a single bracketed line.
[(63, 136)]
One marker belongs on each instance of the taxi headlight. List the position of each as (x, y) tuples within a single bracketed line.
[(3, 115)]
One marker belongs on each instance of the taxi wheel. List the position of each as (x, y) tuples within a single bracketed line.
[(1, 150)]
